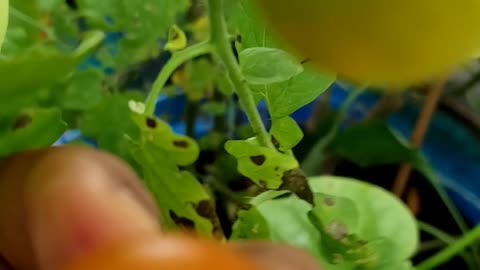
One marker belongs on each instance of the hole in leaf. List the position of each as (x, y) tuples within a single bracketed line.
[(151, 123), (239, 38), (206, 209), (22, 122), (180, 144), (275, 142), (258, 160), (329, 201), (181, 221)]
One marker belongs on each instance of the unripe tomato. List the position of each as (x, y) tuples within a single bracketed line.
[(3, 20), (166, 253), (393, 43)]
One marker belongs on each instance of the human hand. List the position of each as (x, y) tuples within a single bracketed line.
[(59, 205)]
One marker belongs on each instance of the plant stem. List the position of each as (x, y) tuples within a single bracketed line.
[(170, 67), (437, 233), (313, 161), (219, 40), (451, 251), (447, 240)]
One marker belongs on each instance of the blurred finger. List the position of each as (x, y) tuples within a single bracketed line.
[(68, 202)]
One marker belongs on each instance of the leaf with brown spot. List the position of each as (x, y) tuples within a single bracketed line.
[(264, 166), (35, 128), (182, 149)]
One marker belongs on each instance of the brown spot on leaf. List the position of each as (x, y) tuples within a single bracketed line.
[(206, 209), (22, 121), (337, 230), (258, 160), (151, 123), (329, 201), (181, 144), (182, 222)]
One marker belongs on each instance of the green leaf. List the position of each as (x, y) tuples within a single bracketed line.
[(268, 195), (147, 18), (247, 23), (144, 23), (287, 222), (177, 39), (50, 5), (250, 225), (109, 122), (182, 150), (379, 145), (43, 67), (285, 98), (83, 91), (200, 78), (336, 210), (32, 129), (380, 214), (182, 200), (268, 65), (286, 132), (215, 108), (264, 166)]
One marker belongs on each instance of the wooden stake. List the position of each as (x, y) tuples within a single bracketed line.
[(429, 107)]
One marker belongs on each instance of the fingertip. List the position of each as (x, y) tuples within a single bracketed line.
[(83, 205)]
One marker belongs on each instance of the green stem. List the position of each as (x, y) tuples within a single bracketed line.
[(448, 240), (219, 39), (314, 158), (32, 22), (451, 251), (437, 233), (170, 67)]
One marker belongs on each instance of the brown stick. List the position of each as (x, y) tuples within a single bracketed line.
[(421, 128)]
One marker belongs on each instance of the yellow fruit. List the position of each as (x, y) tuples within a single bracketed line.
[(3, 20), (392, 43)]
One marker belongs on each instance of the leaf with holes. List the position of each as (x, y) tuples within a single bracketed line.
[(182, 150), (32, 129), (286, 133), (178, 194), (381, 216), (264, 166), (262, 66)]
